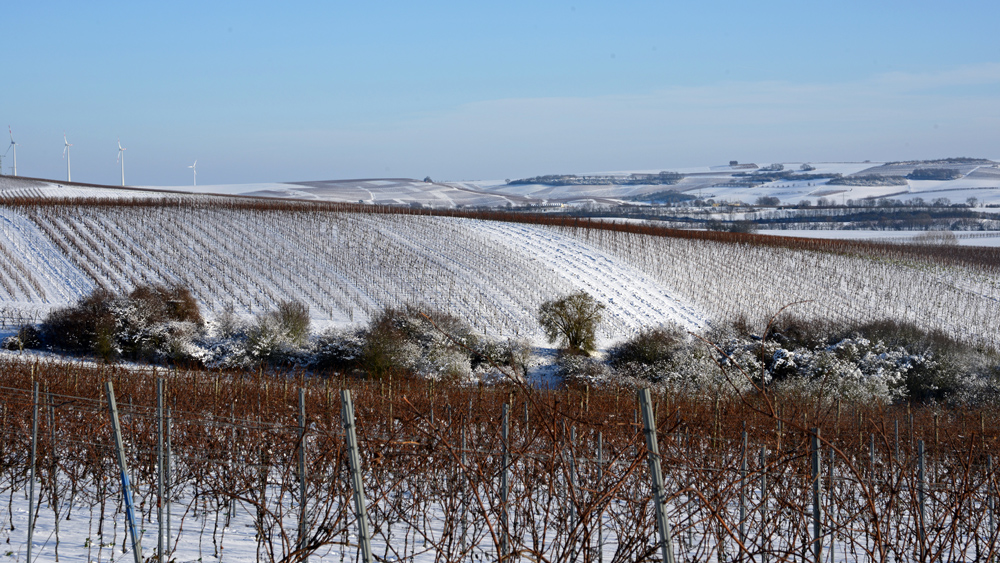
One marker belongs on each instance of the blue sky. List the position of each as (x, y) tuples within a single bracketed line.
[(261, 92)]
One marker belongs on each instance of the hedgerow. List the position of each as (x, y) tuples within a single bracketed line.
[(886, 360)]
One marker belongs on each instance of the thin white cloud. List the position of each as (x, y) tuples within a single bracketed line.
[(966, 75), (895, 115)]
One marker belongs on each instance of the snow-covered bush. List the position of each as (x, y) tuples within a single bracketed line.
[(266, 341), (155, 322), (580, 369), (84, 327), (418, 341), (227, 323), (152, 323), (506, 358), (951, 368), (883, 361), (338, 350), (178, 342), (280, 335), (649, 347), (276, 337), (667, 359), (854, 369), (404, 342), (27, 337), (662, 356), (293, 320)]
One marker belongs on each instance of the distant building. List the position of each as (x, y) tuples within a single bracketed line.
[(735, 165)]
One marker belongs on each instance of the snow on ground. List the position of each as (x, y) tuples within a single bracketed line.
[(630, 296), (344, 267), (417, 524), (982, 182), (14, 187), (348, 266), (229, 189), (976, 238), (195, 536), (701, 181), (60, 280), (706, 182)]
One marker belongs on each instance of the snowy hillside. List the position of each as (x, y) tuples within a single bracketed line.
[(344, 266), (348, 265), (981, 181), (790, 182)]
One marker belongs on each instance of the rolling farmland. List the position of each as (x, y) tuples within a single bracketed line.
[(433, 456), (349, 262)]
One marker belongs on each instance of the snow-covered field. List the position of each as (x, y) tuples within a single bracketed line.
[(348, 266), (730, 280), (975, 238), (345, 266), (979, 181)]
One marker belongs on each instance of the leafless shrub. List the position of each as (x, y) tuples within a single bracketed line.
[(940, 238), (160, 303), (88, 326)]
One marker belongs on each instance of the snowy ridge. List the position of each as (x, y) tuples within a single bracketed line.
[(16, 187)]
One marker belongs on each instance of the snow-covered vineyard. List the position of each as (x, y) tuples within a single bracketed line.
[(889, 485), (344, 266), (348, 265), (884, 484)]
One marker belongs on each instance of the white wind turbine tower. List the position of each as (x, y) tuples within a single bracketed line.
[(67, 144), (194, 168), (13, 146), (121, 158)]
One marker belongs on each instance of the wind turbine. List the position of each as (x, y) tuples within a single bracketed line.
[(67, 144), (121, 158), (194, 169), (13, 146)]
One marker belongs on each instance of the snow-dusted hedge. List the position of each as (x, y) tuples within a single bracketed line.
[(151, 323), (884, 361), (162, 324)]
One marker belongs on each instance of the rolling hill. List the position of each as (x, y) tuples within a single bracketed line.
[(347, 262)]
